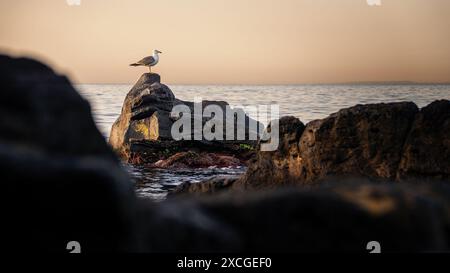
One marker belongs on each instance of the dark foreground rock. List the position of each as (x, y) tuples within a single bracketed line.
[(142, 133), (386, 142), (337, 216), (61, 183), (60, 180)]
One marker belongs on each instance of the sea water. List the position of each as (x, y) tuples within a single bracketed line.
[(307, 102)]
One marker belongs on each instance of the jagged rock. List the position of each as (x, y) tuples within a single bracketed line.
[(145, 113), (426, 154), (281, 167), (361, 141), (143, 129), (60, 180), (365, 140)]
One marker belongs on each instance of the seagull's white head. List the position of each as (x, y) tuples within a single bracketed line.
[(156, 51)]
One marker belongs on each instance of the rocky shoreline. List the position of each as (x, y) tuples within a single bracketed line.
[(142, 133), (369, 172), (380, 142)]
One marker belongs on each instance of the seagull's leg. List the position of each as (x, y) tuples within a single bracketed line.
[(150, 68)]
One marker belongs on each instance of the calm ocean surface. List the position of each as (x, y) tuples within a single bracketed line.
[(307, 102)]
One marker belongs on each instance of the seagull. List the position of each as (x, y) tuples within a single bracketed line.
[(149, 61)]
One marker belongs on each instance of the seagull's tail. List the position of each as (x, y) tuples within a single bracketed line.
[(135, 64)]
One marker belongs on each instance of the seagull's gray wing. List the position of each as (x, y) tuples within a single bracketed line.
[(146, 61)]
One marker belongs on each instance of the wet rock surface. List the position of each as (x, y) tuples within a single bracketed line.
[(198, 160), (150, 152)]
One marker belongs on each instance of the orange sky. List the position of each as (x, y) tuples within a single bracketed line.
[(234, 41)]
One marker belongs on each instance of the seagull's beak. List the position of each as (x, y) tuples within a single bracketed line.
[(158, 51)]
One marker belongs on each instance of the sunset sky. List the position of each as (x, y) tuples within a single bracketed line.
[(234, 41)]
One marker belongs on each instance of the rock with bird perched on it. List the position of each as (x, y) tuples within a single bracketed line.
[(143, 131)]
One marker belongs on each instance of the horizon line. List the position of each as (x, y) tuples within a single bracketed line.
[(285, 84)]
